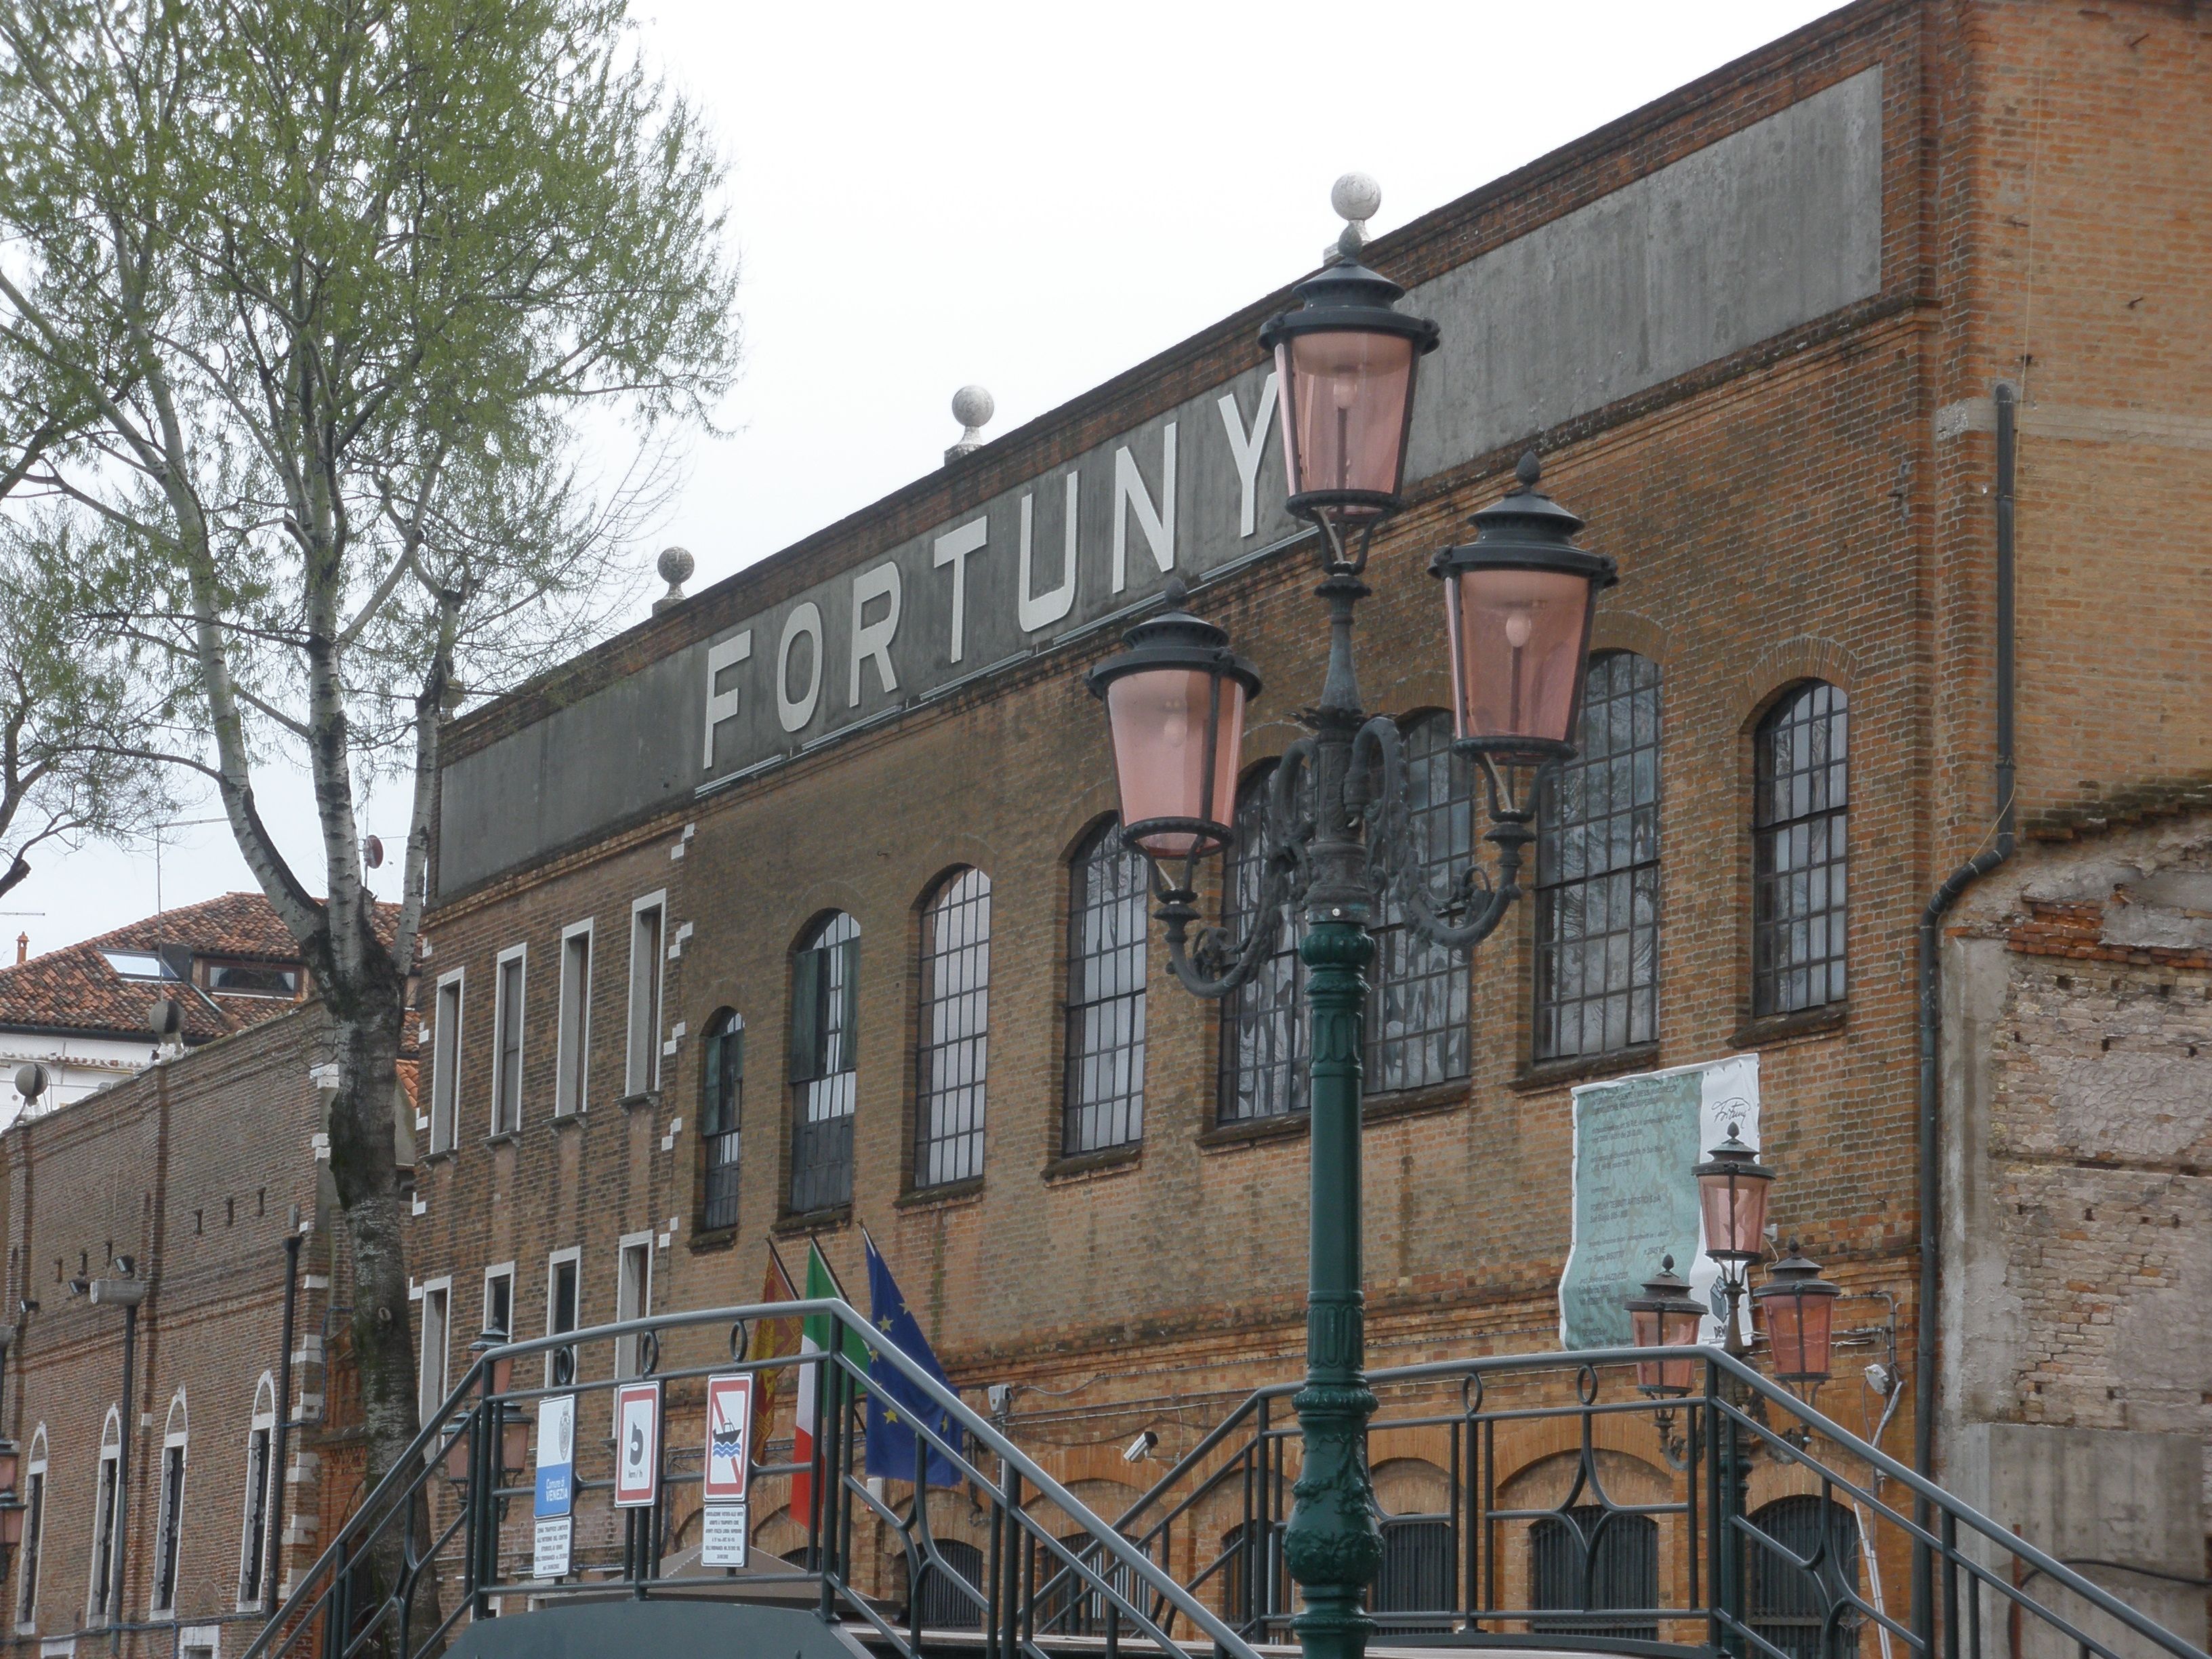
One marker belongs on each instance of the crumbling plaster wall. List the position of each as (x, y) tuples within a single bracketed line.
[(2077, 1248)]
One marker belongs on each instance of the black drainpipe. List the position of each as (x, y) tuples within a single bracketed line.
[(1931, 1019)]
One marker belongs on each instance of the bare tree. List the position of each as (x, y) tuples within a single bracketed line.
[(334, 279)]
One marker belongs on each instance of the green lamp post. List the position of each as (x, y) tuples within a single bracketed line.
[(1517, 604)]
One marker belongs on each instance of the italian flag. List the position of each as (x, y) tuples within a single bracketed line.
[(816, 1333)]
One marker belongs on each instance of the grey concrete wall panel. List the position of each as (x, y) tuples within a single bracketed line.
[(1770, 227)]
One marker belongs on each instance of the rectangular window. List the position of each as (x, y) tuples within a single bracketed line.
[(642, 1070), (103, 1537), (951, 1047), (507, 1043), (169, 1526), (562, 1289), (34, 1533), (253, 1545), (721, 1112), (1103, 1096), (437, 1328), (499, 1300), (446, 1062), (825, 1022), (633, 1299), (1417, 1028), (574, 1044)]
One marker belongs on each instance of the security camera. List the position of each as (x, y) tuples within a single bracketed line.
[(1001, 1396), (1879, 1379), (1141, 1448)]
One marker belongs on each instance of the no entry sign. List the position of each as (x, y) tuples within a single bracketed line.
[(729, 1438), (637, 1444)]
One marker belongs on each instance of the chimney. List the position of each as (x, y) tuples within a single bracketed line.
[(22, 948)]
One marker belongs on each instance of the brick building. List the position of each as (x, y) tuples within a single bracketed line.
[(855, 804), (1758, 328)]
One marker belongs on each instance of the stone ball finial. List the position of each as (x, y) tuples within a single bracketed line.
[(1356, 196), (675, 565), (31, 1080), (973, 407)]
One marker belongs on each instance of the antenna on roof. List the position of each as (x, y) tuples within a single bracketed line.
[(973, 408)]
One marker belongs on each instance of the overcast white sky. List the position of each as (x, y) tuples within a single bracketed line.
[(1035, 198)]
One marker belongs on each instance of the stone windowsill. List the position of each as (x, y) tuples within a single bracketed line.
[(1091, 1166), (1551, 1073), (950, 1194), (1255, 1132), (828, 1219), (1415, 1103), (1770, 1029), (504, 1137), (642, 1097)]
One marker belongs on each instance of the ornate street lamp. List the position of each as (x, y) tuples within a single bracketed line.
[(1798, 1309), (1339, 837), (1732, 1185), (1665, 1316)]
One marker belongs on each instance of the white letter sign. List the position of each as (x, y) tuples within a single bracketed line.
[(723, 705), (873, 639), (1248, 448), (1157, 522), (1043, 609), (953, 549), (795, 712)]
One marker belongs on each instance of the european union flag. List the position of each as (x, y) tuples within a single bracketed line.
[(895, 1403)]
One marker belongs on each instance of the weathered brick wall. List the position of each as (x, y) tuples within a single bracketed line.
[(193, 1167)]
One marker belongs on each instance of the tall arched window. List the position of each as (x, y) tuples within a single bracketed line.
[(1107, 914), (1799, 823), (35, 1530), (825, 1019), (721, 1096), (99, 1606), (953, 1031), (1264, 1028), (254, 1539), (1417, 1005), (1597, 872), (169, 1520), (1806, 1611)]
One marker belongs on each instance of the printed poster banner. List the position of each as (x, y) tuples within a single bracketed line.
[(729, 1438), (637, 1444), (1636, 1140), (557, 1453), (722, 1535)]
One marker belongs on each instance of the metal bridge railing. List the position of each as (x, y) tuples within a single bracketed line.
[(433, 1545), (1734, 1519)]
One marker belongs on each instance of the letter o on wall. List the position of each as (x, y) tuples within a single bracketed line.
[(795, 712)]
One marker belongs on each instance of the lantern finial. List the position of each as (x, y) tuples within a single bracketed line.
[(1526, 472)]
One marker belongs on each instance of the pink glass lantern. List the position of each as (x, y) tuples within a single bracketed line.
[(1665, 1316), (1732, 1187), (1175, 712), (1798, 1308), (1518, 603), (11, 1520), (1344, 365)]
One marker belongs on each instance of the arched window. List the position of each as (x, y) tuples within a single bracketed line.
[(953, 1031), (1417, 1005), (35, 1529), (169, 1520), (825, 1018), (1591, 1559), (1264, 1028), (722, 1096), (1799, 827), (1107, 916), (253, 1540), (1806, 1610), (945, 1604), (100, 1607), (1416, 1575), (1597, 872)]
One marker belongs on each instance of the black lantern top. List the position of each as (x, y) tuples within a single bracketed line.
[(1345, 361), (1667, 1292)]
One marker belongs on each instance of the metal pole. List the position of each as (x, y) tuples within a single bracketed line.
[(1332, 1546), (279, 1436)]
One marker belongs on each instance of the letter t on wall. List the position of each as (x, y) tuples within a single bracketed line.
[(953, 549), (721, 705)]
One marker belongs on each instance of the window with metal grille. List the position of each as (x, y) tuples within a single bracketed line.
[(721, 1097), (1417, 1033), (1800, 811), (1591, 1558), (825, 1020), (253, 1541), (1264, 1027), (1597, 872), (171, 1524), (1249, 1574), (945, 1604), (1416, 1574), (951, 1049), (1067, 1604), (98, 1608), (1108, 913), (1806, 1610)]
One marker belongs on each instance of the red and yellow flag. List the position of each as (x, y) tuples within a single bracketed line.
[(771, 1339)]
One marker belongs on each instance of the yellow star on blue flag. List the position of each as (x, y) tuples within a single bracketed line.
[(907, 1428)]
